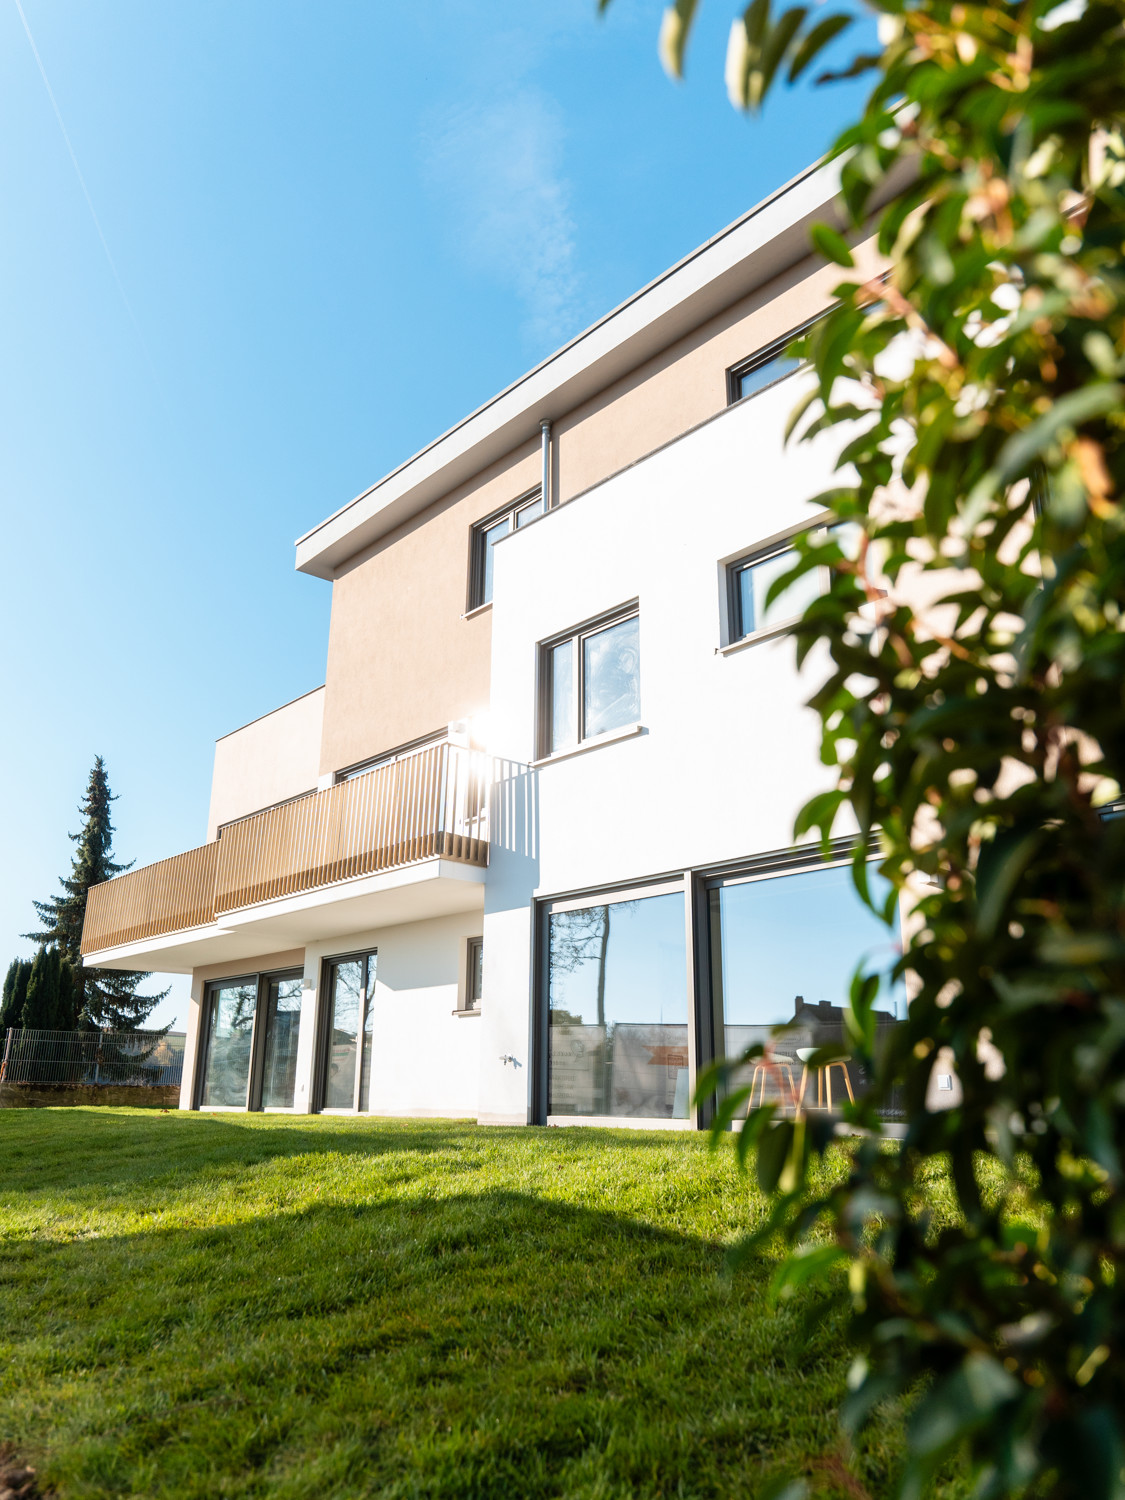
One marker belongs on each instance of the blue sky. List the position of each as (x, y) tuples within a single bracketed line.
[(335, 228)]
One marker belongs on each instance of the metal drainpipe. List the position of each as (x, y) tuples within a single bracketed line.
[(545, 432)]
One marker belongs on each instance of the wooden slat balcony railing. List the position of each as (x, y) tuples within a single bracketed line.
[(431, 803)]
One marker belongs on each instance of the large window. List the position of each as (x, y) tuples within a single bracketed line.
[(591, 682), (349, 1033), (617, 1007), (784, 947), (252, 1028), (485, 536)]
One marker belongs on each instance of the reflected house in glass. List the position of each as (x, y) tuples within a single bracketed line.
[(526, 856)]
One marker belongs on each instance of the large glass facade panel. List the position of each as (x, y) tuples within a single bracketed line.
[(229, 1040), (283, 1030), (783, 953), (617, 993), (368, 1033), (611, 678), (344, 1016)]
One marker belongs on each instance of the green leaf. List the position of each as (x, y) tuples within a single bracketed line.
[(831, 245), (675, 29), (1071, 411), (815, 41), (999, 868), (773, 1148)]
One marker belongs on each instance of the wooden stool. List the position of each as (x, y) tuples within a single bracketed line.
[(762, 1071), (823, 1078)]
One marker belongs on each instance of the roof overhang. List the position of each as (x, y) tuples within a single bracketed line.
[(753, 250)]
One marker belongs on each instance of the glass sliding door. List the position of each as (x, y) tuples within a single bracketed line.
[(230, 1034), (618, 1007), (282, 1033), (783, 950), (350, 1032)]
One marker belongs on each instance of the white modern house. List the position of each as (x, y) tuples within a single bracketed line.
[(527, 855)]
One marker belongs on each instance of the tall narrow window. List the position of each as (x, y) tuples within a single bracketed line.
[(230, 1036), (350, 1032), (591, 683), (485, 536), (474, 978), (283, 1031)]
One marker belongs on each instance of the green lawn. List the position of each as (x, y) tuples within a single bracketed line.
[(199, 1306)]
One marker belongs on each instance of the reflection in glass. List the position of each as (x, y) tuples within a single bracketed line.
[(488, 540), (765, 374), (563, 731), (611, 670), (783, 951), (368, 1035), (617, 991), (283, 1029), (754, 582), (346, 980), (530, 512), (230, 1033)]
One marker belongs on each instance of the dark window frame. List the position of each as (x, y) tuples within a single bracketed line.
[(261, 982), (545, 685), (776, 349), (324, 997), (474, 966), (478, 543)]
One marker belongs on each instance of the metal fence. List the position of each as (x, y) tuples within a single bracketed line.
[(115, 1058)]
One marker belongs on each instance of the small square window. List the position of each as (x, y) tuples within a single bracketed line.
[(751, 613), (591, 683), (484, 538)]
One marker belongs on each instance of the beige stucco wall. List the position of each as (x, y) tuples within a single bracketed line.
[(275, 757), (402, 659)]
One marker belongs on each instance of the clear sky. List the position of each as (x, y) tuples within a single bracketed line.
[(330, 230)]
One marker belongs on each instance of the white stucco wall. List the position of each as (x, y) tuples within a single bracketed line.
[(267, 761), (425, 1059), (728, 752)]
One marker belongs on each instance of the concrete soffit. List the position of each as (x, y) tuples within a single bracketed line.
[(760, 245)]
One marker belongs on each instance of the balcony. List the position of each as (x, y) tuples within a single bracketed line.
[(403, 841)]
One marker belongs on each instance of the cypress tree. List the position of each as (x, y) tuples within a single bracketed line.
[(102, 997), (51, 994), (14, 994)]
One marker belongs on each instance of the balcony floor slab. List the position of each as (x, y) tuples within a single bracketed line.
[(413, 893)]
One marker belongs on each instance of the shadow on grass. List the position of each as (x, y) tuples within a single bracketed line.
[(487, 1345)]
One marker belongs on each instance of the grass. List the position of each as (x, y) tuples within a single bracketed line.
[(254, 1306)]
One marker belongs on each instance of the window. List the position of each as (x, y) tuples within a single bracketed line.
[(617, 1007), (591, 682), (350, 1015), (474, 974), (750, 581), (767, 367), (784, 945), (485, 536), (251, 1027), (750, 612)]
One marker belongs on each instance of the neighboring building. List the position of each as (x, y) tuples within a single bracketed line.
[(527, 855)]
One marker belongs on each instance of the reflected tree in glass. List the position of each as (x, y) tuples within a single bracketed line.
[(283, 1031), (611, 678), (230, 1034), (343, 1032)]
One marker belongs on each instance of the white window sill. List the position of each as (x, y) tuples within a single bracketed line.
[(466, 1012), (611, 736), (756, 636), (471, 614)]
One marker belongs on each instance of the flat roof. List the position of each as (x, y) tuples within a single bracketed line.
[(761, 244)]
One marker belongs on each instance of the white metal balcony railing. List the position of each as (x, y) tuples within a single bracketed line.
[(429, 804)]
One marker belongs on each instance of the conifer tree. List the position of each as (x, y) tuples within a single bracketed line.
[(103, 997), (51, 1003), (14, 994)]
